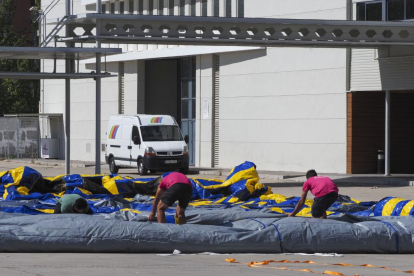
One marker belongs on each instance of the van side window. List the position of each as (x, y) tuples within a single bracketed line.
[(134, 132)]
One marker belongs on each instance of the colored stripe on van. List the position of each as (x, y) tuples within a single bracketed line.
[(156, 120), (112, 133)]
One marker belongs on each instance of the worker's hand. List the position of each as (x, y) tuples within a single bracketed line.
[(151, 216)]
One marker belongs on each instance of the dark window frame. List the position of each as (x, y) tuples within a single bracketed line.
[(121, 7), (408, 13)]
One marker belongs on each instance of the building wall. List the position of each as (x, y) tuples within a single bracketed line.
[(285, 108)]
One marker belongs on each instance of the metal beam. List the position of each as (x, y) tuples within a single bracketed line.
[(239, 31), (42, 76)]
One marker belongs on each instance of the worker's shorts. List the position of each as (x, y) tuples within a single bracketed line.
[(179, 191), (321, 204)]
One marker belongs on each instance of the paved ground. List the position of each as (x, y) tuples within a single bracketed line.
[(151, 264)]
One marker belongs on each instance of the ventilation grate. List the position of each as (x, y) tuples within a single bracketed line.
[(216, 96), (121, 69)]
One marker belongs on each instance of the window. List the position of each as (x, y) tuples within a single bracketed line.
[(131, 6), (151, 7), (394, 10), (193, 7), (204, 8), (103, 8), (134, 132), (369, 11), (112, 7), (171, 7), (409, 9), (121, 7), (240, 8), (161, 7), (216, 7), (141, 7), (161, 133), (228, 8), (182, 7)]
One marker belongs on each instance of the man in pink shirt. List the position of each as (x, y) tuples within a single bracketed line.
[(174, 186), (324, 190)]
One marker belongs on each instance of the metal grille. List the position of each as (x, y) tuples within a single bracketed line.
[(216, 112), (121, 69), (19, 137)]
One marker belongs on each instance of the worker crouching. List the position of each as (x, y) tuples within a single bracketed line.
[(174, 187)]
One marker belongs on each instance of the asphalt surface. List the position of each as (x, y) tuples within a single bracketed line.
[(153, 264)]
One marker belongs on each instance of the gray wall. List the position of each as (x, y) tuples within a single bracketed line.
[(161, 87)]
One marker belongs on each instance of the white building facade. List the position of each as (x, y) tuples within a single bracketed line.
[(283, 108)]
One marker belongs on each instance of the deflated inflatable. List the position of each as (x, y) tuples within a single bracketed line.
[(237, 215)]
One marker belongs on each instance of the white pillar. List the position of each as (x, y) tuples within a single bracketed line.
[(387, 132)]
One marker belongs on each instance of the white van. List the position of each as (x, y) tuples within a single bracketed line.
[(149, 142)]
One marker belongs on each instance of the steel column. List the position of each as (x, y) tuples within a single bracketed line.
[(67, 118), (98, 99), (68, 69), (387, 132)]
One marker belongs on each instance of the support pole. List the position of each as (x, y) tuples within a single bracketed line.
[(98, 96), (68, 70), (387, 132), (67, 118)]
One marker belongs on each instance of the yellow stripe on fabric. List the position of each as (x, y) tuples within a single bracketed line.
[(278, 210), (309, 202), (23, 190), (201, 203), (390, 205), (305, 212), (16, 174), (86, 192), (276, 197), (60, 194), (249, 174), (47, 211), (110, 185), (407, 208), (355, 201), (131, 210)]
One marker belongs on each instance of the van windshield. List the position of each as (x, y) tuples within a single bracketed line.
[(161, 133)]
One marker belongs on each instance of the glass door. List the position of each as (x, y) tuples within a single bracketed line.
[(188, 103)]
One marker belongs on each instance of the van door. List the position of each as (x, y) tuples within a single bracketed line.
[(125, 152), (136, 150)]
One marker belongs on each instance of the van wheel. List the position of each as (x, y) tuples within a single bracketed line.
[(184, 170), (113, 168), (141, 168)]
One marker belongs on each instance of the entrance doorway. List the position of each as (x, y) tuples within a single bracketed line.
[(170, 90), (366, 131)]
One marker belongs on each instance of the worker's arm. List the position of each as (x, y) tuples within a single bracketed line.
[(300, 204), (157, 198)]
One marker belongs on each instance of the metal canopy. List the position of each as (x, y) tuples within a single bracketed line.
[(40, 76), (54, 53), (267, 32)]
